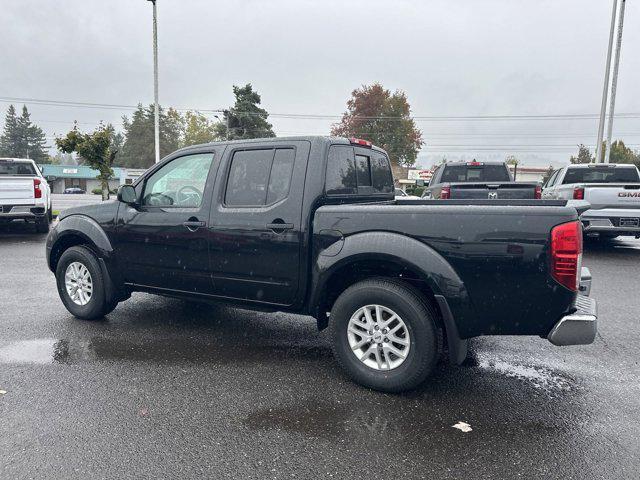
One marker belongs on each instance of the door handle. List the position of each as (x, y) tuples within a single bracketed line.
[(279, 226), (193, 225)]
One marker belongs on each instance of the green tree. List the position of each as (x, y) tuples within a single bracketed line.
[(138, 150), (245, 119), (584, 155), (96, 149), (620, 153), (21, 138), (198, 129), (511, 160), (375, 114)]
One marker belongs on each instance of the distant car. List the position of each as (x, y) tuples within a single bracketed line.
[(402, 195), (74, 190)]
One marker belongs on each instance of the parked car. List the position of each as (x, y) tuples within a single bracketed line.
[(74, 190), (613, 190), (478, 180), (310, 225), (24, 193), (402, 195)]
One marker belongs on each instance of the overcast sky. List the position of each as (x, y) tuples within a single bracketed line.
[(452, 58)]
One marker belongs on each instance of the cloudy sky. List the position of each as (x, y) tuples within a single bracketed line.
[(463, 58)]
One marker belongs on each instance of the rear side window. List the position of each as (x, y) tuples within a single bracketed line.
[(467, 173), (16, 168), (349, 174), (341, 171), (259, 177), (381, 177), (601, 175)]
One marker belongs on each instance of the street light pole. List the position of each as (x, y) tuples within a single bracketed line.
[(614, 81), (156, 108), (605, 89)]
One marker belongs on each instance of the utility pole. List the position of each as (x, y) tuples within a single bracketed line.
[(605, 89), (614, 81), (156, 108)]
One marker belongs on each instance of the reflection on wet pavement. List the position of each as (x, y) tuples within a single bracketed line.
[(38, 351), (47, 350)]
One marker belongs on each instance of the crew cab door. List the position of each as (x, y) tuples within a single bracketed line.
[(255, 223), (162, 241)]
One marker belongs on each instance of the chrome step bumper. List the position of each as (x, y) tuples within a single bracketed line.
[(581, 326)]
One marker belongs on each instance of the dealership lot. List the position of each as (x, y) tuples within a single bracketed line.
[(167, 388)]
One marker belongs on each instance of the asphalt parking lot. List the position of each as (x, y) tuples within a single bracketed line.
[(164, 388)]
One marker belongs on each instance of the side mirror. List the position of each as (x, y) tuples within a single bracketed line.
[(127, 194)]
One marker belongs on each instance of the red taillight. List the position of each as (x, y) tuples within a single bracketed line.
[(361, 142), (537, 194), (578, 193), (475, 164), (37, 192), (445, 193), (566, 254)]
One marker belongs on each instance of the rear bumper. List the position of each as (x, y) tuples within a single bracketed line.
[(617, 221), (13, 212), (581, 326)]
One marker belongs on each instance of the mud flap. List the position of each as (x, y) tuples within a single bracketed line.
[(458, 347)]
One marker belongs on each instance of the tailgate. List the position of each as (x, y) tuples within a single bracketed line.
[(496, 190), (16, 191), (616, 195)]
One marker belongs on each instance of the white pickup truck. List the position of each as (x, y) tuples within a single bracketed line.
[(24, 193), (613, 190)]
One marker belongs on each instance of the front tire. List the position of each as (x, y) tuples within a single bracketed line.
[(81, 284), (384, 335)]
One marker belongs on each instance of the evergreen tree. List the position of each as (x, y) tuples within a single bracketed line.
[(245, 119), (138, 150), (21, 138)]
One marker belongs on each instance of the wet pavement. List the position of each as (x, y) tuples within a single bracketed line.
[(164, 387)]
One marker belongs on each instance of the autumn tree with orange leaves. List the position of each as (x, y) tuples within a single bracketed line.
[(384, 118)]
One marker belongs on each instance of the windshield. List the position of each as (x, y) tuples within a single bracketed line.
[(601, 175), (16, 168), (482, 173)]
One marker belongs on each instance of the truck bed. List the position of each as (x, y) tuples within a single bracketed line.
[(498, 249)]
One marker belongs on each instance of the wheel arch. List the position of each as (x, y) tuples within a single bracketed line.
[(387, 255), (78, 230)]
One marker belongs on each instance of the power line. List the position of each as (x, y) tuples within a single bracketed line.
[(300, 116)]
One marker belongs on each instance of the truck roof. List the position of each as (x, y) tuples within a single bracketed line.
[(20, 160), (471, 162), (601, 165), (310, 138)]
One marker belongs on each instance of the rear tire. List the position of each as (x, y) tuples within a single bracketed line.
[(89, 303), (380, 368)]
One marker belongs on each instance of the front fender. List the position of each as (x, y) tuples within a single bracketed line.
[(399, 249), (78, 226)]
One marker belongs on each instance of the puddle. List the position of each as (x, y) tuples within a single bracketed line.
[(48, 350), (321, 420), (38, 351)]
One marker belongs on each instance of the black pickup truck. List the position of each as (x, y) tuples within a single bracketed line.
[(310, 225), (478, 180)]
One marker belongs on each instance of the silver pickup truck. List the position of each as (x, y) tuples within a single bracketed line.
[(613, 190), (24, 193), (478, 181)]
